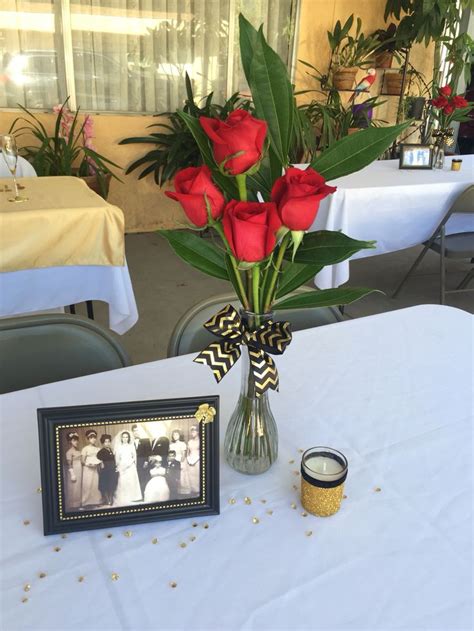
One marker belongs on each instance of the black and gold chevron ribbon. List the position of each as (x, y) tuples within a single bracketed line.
[(221, 355)]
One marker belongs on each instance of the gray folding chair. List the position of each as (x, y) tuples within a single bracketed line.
[(189, 335), (451, 246), (40, 349)]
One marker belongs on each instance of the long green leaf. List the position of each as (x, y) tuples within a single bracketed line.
[(326, 247), (356, 151), (248, 36), (324, 298), (294, 275), (197, 252)]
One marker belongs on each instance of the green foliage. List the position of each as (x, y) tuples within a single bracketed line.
[(325, 247), (324, 298), (197, 252), (351, 50)]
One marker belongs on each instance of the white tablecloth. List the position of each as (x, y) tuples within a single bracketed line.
[(393, 392), (47, 288), (23, 168), (397, 208)]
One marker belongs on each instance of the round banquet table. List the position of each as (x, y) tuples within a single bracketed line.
[(393, 392), (398, 208)]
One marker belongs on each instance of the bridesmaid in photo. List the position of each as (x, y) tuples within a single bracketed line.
[(178, 445), (190, 472), (73, 473), (90, 476), (107, 471)]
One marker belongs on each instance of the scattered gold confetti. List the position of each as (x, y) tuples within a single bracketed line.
[(232, 500), (109, 535), (255, 520), (192, 538), (296, 472), (304, 514), (39, 490), (27, 587), (26, 522), (173, 584), (114, 576), (81, 579), (182, 544), (293, 505), (247, 500), (344, 497), (24, 600), (63, 536), (295, 487), (194, 525), (205, 526), (263, 501), (377, 489), (308, 533), (291, 462), (269, 512), (301, 450), (57, 549), (154, 540), (127, 533), (42, 574)]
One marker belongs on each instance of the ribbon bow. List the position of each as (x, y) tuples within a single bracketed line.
[(221, 355)]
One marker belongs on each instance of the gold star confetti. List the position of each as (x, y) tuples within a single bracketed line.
[(63, 536), (301, 450), (206, 526), (291, 462), (39, 490), (154, 540), (255, 520), (232, 500), (173, 584), (293, 506), (81, 579), (344, 497), (114, 576), (263, 501), (127, 533), (377, 489), (304, 514), (247, 500), (194, 525), (308, 533), (296, 472), (182, 544), (269, 512), (109, 535), (24, 600), (27, 587), (192, 538), (295, 487), (57, 549), (26, 522), (42, 574)]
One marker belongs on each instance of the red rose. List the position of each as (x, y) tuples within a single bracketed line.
[(448, 109), (445, 90), (250, 228), (459, 101), (439, 102), (297, 195), (241, 132), (190, 186)]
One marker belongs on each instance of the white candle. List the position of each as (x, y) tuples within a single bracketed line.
[(323, 468)]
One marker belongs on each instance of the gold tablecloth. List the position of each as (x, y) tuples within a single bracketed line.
[(62, 223)]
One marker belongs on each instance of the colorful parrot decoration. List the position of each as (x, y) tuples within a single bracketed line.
[(365, 84)]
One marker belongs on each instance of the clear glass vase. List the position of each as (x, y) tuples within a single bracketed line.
[(438, 155), (251, 439)]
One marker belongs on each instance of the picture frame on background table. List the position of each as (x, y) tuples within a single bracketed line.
[(413, 156), (128, 463)]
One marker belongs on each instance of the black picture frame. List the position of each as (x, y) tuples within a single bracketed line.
[(53, 422), (407, 150)]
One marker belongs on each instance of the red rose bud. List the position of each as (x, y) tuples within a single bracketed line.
[(448, 109), (240, 134), (250, 229), (297, 195), (459, 101), (192, 186), (445, 90)]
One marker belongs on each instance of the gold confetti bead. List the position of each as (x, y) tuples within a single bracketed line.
[(173, 584), (81, 579), (63, 536), (206, 526), (192, 538), (308, 533), (26, 522), (27, 587), (293, 506), (194, 525), (232, 500), (344, 497), (296, 472), (255, 520), (127, 533), (269, 512), (377, 489), (57, 549), (182, 544), (291, 462), (263, 501), (24, 600), (42, 575), (154, 540), (304, 514), (247, 500), (295, 487), (39, 490), (109, 535), (114, 576), (301, 450)]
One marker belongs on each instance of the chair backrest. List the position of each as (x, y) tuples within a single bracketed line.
[(23, 168), (464, 203), (40, 349), (189, 335)]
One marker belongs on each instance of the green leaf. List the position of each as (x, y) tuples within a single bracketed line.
[(354, 152), (324, 298), (294, 275), (231, 272), (197, 252), (248, 36), (326, 247)]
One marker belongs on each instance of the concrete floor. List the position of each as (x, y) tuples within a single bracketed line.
[(165, 287)]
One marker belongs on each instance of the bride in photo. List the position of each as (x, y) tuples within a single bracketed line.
[(128, 486)]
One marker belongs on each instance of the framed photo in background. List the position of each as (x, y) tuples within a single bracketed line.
[(416, 156), (128, 463)]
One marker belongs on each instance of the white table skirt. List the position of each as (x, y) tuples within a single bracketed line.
[(30, 290), (393, 392), (397, 208)]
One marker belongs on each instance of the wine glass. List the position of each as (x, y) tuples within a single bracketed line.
[(10, 155)]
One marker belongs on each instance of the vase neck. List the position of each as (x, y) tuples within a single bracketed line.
[(252, 321)]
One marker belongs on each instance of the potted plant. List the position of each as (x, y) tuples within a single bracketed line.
[(349, 52), (394, 83), (388, 46), (418, 91), (68, 151)]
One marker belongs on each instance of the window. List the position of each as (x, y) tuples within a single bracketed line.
[(129, 55)]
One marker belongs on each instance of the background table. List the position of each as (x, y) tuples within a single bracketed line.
[(393, 392), (397, 208), (54, 225)]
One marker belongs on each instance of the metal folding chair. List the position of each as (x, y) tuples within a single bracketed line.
[(451, 246)]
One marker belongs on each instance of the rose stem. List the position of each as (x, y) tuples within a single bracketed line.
[(276, 271)]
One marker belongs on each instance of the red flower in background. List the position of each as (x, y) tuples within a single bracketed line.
[(439, 102), (459, 101), (297, 195), (449, 109), (445, 90), (250, 229), (191, 185), (239, 133)]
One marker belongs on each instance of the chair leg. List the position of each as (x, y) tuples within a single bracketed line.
[(442, 270), (410, 271), (466, 280), (72, 309), (90, 309)]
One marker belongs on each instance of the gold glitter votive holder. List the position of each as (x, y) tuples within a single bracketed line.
[(323, 472), (456, 165)]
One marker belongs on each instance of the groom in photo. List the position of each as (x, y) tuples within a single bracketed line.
[(143, 451)]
